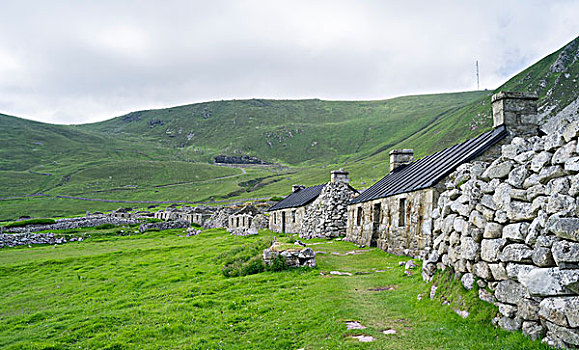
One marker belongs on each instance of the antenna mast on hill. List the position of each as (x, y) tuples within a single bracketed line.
[(477, 77)]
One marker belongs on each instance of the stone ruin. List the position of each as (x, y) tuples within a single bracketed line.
[(295, 255)]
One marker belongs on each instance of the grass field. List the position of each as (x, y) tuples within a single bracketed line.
[(162, 291)]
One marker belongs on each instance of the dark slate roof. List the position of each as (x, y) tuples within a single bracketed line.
[(299, 198), (427, 171)]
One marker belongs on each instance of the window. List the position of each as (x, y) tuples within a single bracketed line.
[(402, 212), (359, 217), (237, 221), (294, 216)]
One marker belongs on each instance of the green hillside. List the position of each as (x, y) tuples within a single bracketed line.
[(167, 154)]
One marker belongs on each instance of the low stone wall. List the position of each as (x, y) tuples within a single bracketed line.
[(327, 216), (18, 239), (72, 223), (165, 225), (294, 257), (512, 226)]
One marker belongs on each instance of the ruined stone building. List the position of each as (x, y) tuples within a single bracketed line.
[(317, 211), (195, 215), (395, 214), (241, 221)]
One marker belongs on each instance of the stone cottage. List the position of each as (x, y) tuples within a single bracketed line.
[(395, 214), (317, 211)]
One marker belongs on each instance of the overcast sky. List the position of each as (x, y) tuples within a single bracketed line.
[(84, 61)]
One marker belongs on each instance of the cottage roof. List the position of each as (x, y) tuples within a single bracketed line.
[(427, 171), (299, 198)]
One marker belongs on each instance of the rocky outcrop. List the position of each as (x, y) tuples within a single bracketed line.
[(327, 216), (514, 225), (223, 159)]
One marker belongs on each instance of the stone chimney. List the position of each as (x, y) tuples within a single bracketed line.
[(296, 188), (400, 157), (517, 111), (340, 177)]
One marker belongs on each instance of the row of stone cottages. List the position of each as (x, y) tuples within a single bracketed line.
[(395, 213)]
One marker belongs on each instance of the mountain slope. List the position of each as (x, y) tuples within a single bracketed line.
[(285, 131), (166, 155)]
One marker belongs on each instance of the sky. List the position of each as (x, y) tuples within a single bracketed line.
[(71, 62)]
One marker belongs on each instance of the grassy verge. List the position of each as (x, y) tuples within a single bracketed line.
[(162, 291)]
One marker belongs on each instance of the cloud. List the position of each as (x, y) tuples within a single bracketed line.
[(74, 62)]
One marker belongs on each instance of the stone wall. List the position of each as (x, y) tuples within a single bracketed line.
[(17, 239), (379, 223), (72, 223), (512, 226), (293, 218), (327, 216), (165, 225)]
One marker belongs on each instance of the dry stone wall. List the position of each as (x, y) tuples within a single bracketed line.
[(512, 227), (327, 216), (72, 223), (18, 239)]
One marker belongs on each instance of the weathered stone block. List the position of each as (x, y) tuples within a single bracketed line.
[(566, 254), (542, 257), (516, 232), (493, 230), (517, 176), (568, 335), (461, 225), (467, 281), (560, 203), (491, 248), (498, 271), (516, 253), (469, 248), (540, 160), (532, 330), (510, 324), (564, 153), (528, 309), (498, 170), (514, 269), (482, 270), (549, 281), (507, 310), (509, 292), (567, 228)]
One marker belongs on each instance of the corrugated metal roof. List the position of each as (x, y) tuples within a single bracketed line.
[(299, 198), (427, 171)]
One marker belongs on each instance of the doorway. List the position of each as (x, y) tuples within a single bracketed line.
[(283, 222), (376, 218)]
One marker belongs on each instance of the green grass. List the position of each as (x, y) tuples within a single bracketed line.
[(162, 291)]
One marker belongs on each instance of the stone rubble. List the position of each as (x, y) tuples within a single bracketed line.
[(296, 256)]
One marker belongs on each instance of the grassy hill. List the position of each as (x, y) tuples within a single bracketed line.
[(167, 154)]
